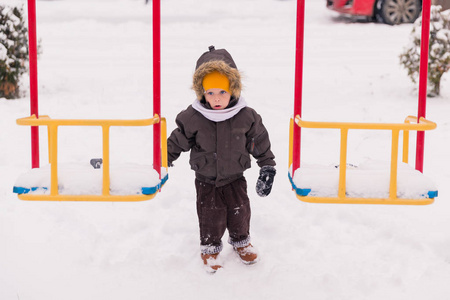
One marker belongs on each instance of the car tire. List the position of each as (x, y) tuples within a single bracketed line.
[(394, 12)]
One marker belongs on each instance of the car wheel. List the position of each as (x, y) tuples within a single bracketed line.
[(398, 11)]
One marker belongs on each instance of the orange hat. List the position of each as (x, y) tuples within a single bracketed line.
[(216, 80)]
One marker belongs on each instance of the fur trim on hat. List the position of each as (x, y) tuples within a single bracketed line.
[(232, 74)]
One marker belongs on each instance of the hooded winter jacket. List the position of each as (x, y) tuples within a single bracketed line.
[(220, 150), (220, 141)]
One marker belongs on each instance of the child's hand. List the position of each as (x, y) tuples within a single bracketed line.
[(265, 180)]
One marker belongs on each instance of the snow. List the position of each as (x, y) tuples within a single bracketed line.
[(96, 63), (443, 35), (370, 179), (83, 179), (3, 52)]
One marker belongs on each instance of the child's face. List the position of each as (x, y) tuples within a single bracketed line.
[(217, 98)]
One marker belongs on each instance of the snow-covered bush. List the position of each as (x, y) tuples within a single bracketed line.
[(13, 50), (439, 49)]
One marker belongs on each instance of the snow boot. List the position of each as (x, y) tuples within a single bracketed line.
[(211, 262), (247, 254)]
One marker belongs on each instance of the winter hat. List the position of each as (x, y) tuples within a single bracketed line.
[(219, 61), (216, 80)]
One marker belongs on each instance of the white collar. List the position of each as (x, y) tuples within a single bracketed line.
[(222, 114)]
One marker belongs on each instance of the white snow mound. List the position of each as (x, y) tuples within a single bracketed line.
[(83, 179), (367, 180)]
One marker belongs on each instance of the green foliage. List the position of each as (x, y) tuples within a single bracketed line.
[(439, 50), (13, 50)]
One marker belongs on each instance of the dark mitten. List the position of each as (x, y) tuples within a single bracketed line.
[(265, 180)]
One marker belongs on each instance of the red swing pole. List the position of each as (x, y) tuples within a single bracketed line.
[(298, 84), (32, 48), (157, 84), (423, 77)]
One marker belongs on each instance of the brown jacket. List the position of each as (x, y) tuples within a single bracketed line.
[(220, 150)]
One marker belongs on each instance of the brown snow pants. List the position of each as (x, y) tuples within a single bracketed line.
[(221, 208)]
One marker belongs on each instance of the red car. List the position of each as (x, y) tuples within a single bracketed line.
[(388, 11)]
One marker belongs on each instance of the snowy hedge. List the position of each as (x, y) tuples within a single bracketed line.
[(13, 50), (439, 49)]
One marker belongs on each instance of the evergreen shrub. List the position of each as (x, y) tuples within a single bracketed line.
[(13, 50), (439, 49)]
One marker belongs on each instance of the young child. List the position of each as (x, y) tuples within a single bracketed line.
[(221, 131)]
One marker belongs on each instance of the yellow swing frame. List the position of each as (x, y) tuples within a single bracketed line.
[(344, 127), (52, 128)]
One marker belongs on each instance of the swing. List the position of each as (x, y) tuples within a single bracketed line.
[(339, 184), (45, 183)]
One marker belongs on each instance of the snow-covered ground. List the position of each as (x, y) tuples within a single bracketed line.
[(96, 63)]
